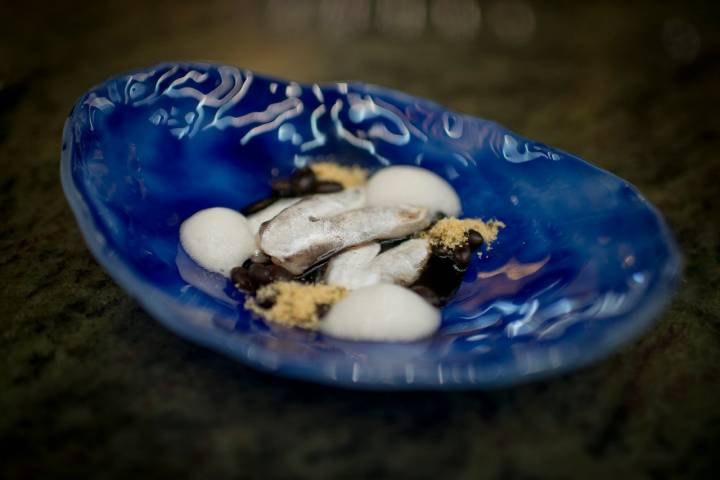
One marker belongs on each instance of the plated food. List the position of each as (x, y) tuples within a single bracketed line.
[(584, 264), (334, 249)]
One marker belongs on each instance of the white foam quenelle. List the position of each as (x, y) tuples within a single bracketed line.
[(382, 313), (218, 239), (408, 185)]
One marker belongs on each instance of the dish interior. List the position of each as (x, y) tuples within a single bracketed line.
[(583, 265)]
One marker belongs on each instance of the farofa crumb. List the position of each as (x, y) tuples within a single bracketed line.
[(296, 304), (452, 232), (352, 176)]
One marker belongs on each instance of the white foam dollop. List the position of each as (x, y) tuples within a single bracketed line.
[(405, 184), (218, 239), (381, 313)]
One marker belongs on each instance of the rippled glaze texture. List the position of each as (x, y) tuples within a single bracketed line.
[(584, 264)]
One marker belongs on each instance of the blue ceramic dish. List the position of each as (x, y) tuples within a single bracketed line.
[(584, 265)]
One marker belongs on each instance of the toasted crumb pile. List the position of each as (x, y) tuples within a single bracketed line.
[(352, 176), (452, 232), (296, 304)]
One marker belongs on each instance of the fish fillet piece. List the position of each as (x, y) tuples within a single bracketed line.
[(404, 263), (268, 213), (381, 223), (361, 266), (321, 225), (351, 268)]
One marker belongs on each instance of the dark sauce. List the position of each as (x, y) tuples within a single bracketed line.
[(259, 205), (313, 274), (445, 270), (442, 276), (386, 245)]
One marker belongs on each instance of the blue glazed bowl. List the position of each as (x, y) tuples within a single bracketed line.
[(584, 265)]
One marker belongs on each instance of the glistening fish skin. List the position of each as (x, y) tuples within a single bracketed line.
[(321, 225), (361, 266)]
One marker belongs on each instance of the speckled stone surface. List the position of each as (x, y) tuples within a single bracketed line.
[(92, 387)]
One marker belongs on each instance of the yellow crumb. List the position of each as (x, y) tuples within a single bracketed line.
[(452, 232), (296, 303), (352, 176)]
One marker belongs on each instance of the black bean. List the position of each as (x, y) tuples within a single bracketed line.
[(325, 186), (259, 205), (282, 187), (266, 302), (280, 274), (241, 279), (474, 239), (462, 256), (322, 309), (303, 182), (431, 297), (260, 274)]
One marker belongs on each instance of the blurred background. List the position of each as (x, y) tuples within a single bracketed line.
[(92, 387)]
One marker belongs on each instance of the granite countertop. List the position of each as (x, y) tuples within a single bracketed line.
[(92, 387)]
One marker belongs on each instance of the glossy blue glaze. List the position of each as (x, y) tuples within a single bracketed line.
[(584, 264)]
